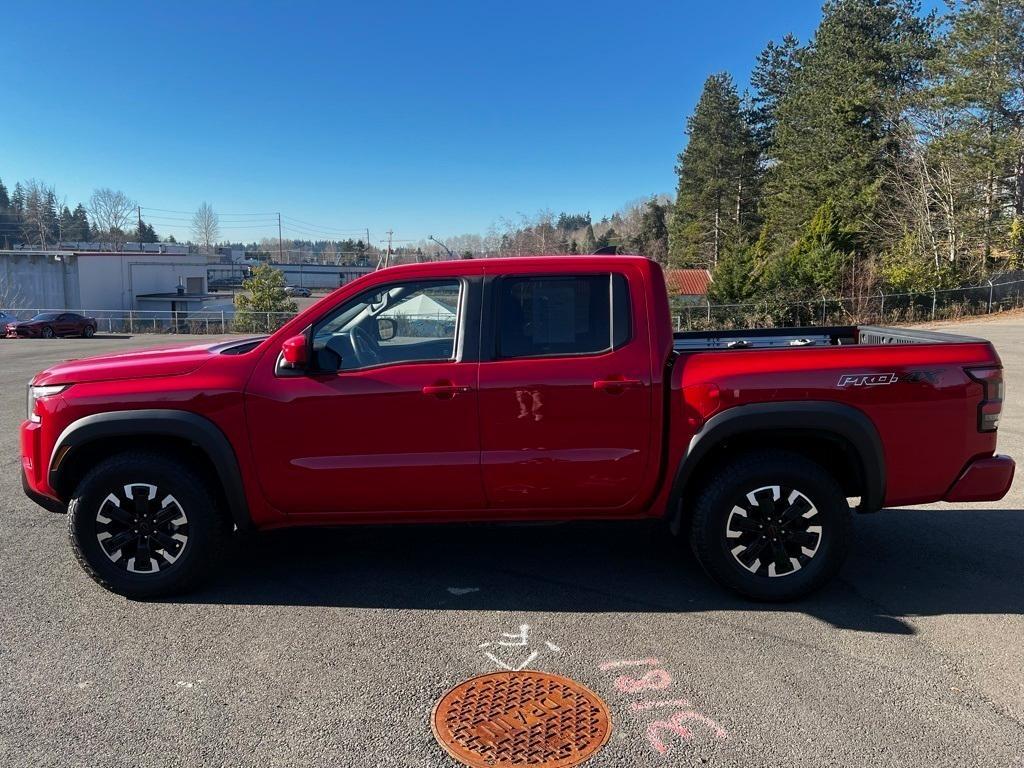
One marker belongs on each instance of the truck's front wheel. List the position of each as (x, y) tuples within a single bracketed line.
[(143, 525), (771, 526)]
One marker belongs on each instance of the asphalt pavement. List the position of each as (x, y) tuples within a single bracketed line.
[(330, 648)]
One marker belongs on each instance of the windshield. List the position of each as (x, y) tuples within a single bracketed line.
[(45, 316)]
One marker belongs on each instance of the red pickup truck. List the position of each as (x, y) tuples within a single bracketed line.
[(544, 388)]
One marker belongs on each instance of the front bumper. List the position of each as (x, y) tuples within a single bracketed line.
[(44, 501), (983, 480)]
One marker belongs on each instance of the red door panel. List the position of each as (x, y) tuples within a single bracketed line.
[(569, 433), (368, 440)]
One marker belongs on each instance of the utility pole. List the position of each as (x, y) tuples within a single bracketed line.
[(138, 210), (387, 257), (280, 242)]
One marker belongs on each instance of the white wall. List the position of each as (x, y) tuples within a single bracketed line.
[(113, 280), (34, 281)]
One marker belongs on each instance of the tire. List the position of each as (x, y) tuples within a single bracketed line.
[(180, 528), (800, 525), (88, 332), (47, 332)]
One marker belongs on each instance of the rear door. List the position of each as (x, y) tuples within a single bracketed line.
[(566, 403)]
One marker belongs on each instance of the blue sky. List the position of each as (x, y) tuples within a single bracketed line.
[(427, 118)]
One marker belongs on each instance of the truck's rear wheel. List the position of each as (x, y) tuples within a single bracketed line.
[(771, 526), (143, 525)]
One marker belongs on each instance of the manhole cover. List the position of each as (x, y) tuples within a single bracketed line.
[(521, 718)]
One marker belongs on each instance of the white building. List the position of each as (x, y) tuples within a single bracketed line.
[(102, 280)]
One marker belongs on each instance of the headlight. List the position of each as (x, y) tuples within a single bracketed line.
[(34, 393)]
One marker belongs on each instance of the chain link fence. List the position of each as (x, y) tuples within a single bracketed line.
[(875, 309), (165, 321)]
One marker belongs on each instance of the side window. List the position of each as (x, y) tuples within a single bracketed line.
[(563, 315), (398, 323)]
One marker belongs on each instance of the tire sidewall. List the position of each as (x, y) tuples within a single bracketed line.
[(801, 475), (112, 476)]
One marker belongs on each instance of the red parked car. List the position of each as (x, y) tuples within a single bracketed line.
[(546, 388), (47, 325)]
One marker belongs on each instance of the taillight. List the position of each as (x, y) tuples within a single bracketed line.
[(991, 405)]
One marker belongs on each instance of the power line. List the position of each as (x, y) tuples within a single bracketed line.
[(191, 213), (311, 225)]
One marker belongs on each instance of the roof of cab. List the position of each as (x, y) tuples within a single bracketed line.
[(511, 264)]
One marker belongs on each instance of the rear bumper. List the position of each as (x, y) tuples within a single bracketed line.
[(983, 480)]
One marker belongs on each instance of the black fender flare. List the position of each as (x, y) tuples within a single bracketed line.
[(158, 421), (831, 419)]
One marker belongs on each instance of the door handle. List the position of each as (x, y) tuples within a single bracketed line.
[(611, 385), (445, 390)]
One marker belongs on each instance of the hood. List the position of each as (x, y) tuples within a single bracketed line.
[(141, 364)]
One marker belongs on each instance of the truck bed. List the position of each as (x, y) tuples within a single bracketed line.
[(840, 335)]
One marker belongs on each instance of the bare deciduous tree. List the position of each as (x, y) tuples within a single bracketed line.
[(11, 296), (111, 213), (205, 226)]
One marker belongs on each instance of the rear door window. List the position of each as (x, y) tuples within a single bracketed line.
[(544, 316)]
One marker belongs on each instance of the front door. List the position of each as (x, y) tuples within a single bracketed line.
[(566, 404), (386, 421)]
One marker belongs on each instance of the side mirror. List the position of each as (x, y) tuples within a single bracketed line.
[(295, 352), (387, 328)]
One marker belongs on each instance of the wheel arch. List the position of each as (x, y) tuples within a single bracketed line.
[(180, 433), (839, 437)]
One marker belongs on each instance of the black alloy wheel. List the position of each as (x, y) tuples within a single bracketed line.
[(771, 531), (142, 529), (771, 525), (144, 524)]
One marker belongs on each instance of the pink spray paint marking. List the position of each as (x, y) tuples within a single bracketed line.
[(675, 725), (679, 724), (655, 680)]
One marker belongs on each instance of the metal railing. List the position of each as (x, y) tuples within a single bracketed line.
[(879, 309), (132, 321), (876, 309)]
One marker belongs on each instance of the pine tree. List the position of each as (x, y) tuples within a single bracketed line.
[(652, 235), (66, 224), (18, 198), (816, 263), (718, 179), (733, 279), (144, 233), (80, 229), (8, 219), (975, 107), (837, 123), (589, 242), (260, 307), (771, 79), (608, 238)]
